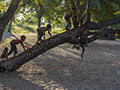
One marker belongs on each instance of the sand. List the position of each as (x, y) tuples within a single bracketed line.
[(62, 68)]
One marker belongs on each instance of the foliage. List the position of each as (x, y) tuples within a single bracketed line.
[(54, 10), (105, 9), (4, 4)]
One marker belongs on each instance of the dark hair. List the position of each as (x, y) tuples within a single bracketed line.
[(23, 37), (49, 26)]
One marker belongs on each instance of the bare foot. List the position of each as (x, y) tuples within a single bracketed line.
[(82, 56), (73, 47)]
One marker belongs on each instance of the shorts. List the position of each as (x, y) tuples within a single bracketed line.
[(13, 48), (81, 45), (40, 34)]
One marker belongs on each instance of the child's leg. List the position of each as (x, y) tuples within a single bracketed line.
[(83, 50), (75, 47), (40, 34), (15, 51), (11, 50)]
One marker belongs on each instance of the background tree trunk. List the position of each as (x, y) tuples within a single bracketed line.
[(7, 16), (88, 13), (9, 29), (39, 21), (49, 21)]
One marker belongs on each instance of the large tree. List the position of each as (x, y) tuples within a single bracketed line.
[(66, 37), (4, 20)]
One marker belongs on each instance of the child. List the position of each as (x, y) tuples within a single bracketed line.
[(13, 45), (82, 37), (4, 54), (41, 31)]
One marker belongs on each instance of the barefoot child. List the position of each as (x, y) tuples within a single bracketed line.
[(82, 37), (13, 45), (41, 31)]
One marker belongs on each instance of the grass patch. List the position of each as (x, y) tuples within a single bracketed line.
[(25, 28), (5, 40), (40, 72), (57, 31)]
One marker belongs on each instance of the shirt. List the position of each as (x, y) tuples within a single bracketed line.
[(82, 38)]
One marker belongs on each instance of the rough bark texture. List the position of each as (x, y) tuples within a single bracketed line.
[(7, 16)]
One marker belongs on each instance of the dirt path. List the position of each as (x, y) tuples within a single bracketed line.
[(63, 69)]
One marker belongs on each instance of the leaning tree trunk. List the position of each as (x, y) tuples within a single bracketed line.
[(15, 62), (7, 16)]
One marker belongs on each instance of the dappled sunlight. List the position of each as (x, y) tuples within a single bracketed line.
[(62, 68)]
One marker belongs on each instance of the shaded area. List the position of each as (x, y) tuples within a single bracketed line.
[(98, 70), (63, 69), (15, 81)]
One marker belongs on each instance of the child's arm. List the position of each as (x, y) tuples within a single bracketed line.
[(23, 45), (44, 35), (86, 40), (49, 33)]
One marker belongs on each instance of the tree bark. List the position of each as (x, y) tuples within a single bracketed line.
[(39, 14), (96, 35), (39, 21), (9, 29), (7, 16), (74, 16), (88, 13), (102, 33)]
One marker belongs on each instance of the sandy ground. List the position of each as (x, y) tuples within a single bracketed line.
[(63, 69)]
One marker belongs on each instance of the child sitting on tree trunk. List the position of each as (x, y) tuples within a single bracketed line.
[(82, 37), (13, 45), (41, 31)]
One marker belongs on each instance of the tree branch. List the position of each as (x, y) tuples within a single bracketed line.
[(102, 33), (88, 13), (95, 26), (4, 20)]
